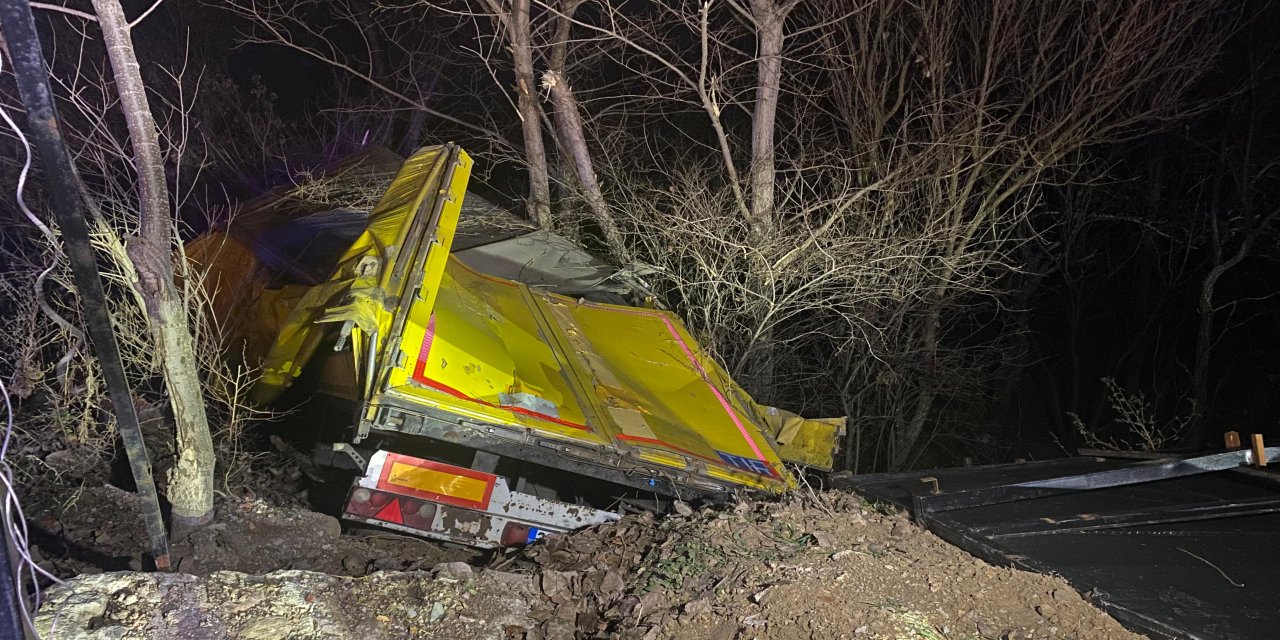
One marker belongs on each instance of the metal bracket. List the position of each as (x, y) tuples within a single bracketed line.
[(350, 451), (362, 431), (343, 334), (485, 461)]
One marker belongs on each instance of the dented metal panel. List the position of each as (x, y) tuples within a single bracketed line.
[(625, 387), (810, 442), (401, 254), (480, 351), (664, 395)]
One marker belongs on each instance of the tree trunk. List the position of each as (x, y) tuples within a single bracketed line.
[(565, 185), (564, 28), (770, 18), (191, 483), (535, 151), (572, 139), (904, 444), (1194, 435), (413, 134)]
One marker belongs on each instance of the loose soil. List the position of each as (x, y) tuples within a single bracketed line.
[(101, 529), (815, 566)]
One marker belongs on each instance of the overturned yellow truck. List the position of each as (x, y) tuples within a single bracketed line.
[(481, 410)]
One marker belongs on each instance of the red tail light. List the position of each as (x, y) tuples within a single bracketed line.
[(515, 534), (360, 503), (418, 514)]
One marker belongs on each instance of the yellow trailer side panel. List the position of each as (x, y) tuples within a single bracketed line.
[(664, 392), (480, 351), (419, 212)]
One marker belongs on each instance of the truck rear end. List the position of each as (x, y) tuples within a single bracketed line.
[(487, 412)]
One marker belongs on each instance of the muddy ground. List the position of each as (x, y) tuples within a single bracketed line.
[(100, 529), (813, 566)]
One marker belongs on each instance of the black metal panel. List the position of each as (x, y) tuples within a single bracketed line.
[(1165, 557)]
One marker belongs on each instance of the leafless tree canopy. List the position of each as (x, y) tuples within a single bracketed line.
[(834, 194), (139, 151), (841, 198)]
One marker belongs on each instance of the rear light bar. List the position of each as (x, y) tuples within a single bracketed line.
[(388, 507), (457, 504)]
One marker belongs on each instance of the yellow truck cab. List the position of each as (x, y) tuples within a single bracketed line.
[(487, 411)]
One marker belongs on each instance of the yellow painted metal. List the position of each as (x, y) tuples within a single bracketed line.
[(419, 212), (806, 441), (485, 356), (665, 395), (630, 380), (594, 374)]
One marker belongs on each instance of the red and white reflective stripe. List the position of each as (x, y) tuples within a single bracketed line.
[(385, 482), (425, 350)]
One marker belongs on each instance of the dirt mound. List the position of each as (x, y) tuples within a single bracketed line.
[(810, 567), (823, 566)]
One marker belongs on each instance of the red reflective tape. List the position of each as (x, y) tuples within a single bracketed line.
[(427, 339), (666, 444), (542, 416), (773, 472)]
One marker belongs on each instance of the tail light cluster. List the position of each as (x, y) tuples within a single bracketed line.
[(389, 507), (372, 504)]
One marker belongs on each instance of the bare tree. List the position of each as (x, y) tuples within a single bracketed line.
[(513, 17), (572, 139), (770, 19), (894, 154), (126, 172), (1238, 223), (421, 32), (191, 485), (991, 105)]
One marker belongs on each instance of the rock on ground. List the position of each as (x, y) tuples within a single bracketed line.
[(286, 605)]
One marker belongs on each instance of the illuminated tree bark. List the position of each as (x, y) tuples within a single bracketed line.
[(191, 484)]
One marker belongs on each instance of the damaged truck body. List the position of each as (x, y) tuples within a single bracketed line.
[(477, 409)]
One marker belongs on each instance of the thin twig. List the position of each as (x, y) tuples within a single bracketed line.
[(1219, 570), (65, 10)]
